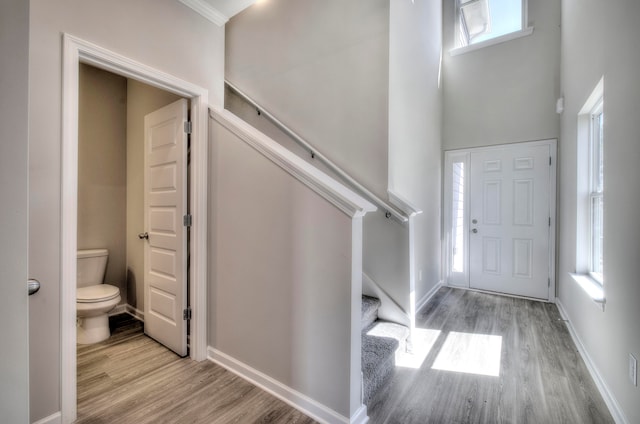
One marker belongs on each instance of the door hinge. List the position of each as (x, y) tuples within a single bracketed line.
[(186, 314), (549, 282), (187, 127), (549, 160), (549, 221), (187, 220)]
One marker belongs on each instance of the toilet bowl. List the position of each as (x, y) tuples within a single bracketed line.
[(94, 300)]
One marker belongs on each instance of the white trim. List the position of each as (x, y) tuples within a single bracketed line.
[(75, 51), (135, 312), (492, 42), (449, 154), (403, 204), (613, 405), (51, 419), (427, 297), (207, 11), (301, 402), (339, 195)]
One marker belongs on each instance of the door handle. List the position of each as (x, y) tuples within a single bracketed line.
[(33, 286), (143, 236), (474, 231)]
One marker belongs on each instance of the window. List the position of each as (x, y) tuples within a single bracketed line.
[(482, 20), (590, 262), (596, 192)]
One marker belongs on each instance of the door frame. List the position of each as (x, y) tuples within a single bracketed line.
[(464, 155), (76, 51)]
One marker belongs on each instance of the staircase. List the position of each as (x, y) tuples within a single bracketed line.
[(380, 341)]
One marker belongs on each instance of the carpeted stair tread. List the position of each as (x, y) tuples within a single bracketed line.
[(388, 329), (370, 307), (378, 362)]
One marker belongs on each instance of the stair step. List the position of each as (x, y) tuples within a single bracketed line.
[(378, 361), (380, 341), (370, 307)]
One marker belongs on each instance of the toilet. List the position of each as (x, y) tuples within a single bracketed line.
[(94, 300)]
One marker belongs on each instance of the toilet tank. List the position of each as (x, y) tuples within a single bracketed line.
[(91, 265)]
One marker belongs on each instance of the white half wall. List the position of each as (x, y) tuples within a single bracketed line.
[(285, 280)]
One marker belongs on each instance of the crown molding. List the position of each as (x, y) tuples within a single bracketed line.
[(206, 11)]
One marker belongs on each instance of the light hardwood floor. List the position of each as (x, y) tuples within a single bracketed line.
[(132, 379), (542, 378)]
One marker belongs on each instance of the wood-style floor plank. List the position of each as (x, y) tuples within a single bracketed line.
[(132, 379), (542, 377)]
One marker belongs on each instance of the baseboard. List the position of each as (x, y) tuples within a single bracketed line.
[(301, 402), (615, 409), (136, 313), (427, 297), (51, 419), (120, 309)]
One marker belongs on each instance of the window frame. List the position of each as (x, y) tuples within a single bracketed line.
[(459, 47), (596, 186), (591, 282)]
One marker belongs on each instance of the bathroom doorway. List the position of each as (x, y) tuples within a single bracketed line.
[(75, 52), (132, 196)]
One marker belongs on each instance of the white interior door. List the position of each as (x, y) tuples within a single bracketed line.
[(165, 257), (509, 220)]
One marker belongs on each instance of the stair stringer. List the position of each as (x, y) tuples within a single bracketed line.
[(389, 309)]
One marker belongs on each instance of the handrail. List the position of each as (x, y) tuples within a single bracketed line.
[(390, 210)]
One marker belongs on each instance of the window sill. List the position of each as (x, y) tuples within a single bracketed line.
[(503, 38), (591, 287)]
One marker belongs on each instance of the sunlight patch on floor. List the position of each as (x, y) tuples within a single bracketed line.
[(423, 341), (470, 353)]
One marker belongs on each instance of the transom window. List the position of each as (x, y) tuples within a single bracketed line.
[(482, 20)]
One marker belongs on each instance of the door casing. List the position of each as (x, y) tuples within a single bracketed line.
[(76, 51), (461, 280)]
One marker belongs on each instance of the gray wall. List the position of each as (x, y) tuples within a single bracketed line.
[(280, 293), (600, 39), (321, 67), (191, 50), (102, 168), (14, 307), (507, 92), (415, 121), (142, 99)]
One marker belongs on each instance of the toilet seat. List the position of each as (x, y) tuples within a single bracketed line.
[(97, 293)]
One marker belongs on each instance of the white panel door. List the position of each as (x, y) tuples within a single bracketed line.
[(509, 220), (165, 201)]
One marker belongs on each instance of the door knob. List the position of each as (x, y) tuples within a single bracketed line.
[(474, 231), (143, 236), (33, 286)]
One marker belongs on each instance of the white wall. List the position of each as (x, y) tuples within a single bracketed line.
[(600, 39), (281, 289), (163, 34), (321, 67), (102, 169), (14, 323), (415, 121), (507, 92)]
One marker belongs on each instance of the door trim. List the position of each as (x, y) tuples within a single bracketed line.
[(465, 154), (76, 51)]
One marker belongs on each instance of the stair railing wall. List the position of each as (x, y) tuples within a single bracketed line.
[(389, 257)]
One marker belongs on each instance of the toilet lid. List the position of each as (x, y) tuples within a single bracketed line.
[(97, 293)]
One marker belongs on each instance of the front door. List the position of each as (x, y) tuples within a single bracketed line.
[(165, 205), (509, 220)]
